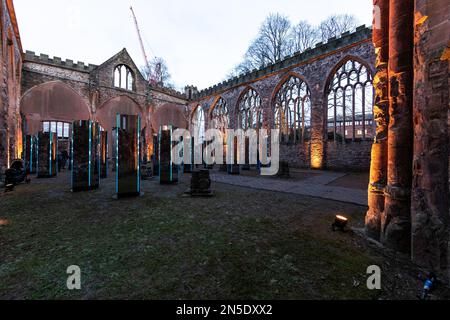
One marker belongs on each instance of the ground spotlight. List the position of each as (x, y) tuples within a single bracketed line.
[(9, 187), (340, 223)]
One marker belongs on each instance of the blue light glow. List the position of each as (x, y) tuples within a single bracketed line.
[(139, 154), (117, 152), (50, 154), (90, 153), (37, 155), (71, 156)]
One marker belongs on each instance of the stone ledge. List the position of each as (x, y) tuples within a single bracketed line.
[(31, 56)]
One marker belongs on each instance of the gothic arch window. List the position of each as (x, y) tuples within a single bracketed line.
[(220, 117), (350, 103), (199, 124), (123, 77), (250, 115), (292, 110)]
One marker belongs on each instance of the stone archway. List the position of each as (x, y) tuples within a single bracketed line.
[(106, 115), (52, 101), (169, 114)]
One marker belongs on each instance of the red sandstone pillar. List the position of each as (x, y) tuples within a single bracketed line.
[(378, 169), (396, 219), (430, 196)]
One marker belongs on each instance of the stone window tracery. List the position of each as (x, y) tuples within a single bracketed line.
[(250, 115), (199, 124), (220, 117), (123, 77), (350, 103), (292, 111)]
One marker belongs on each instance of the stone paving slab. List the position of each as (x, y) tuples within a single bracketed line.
[(326, 178), (313, 187)]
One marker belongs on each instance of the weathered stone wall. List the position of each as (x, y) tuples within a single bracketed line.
[(157, 106), (297, 155), (10, 75), (349, 156), (315, 67), (41, 70), (63, 82), (415, 216), (430, 191)]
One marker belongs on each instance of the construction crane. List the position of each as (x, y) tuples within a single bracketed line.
[(152, 77)]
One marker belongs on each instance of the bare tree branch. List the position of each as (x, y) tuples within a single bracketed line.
[(272, 43), (335, 25), (159, 72), (277, 38), (303, 36)]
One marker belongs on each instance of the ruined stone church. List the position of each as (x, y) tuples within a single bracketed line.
[(373, 99)]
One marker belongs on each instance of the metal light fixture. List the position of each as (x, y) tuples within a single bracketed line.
[(9, 187), (340, 223)]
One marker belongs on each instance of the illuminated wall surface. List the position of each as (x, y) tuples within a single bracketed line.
[(85, 155), (168, 172), (128, 155), (47, 165), (30, 154), (103, 154)]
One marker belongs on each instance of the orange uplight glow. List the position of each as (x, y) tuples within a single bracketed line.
[(316, 157), (340, 223), (149, 150), (4, 222), (19, 146)]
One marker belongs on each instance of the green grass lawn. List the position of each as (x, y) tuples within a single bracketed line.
[(240, 244)]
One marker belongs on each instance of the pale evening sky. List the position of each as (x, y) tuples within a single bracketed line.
[(201, 40)]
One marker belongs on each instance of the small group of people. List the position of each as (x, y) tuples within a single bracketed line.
[(63, 157)]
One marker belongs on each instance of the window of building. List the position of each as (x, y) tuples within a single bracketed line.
[(250, 115), (292, 111), (62, 129), (350, 101), (123, 77), (220, 117), (199, 124)]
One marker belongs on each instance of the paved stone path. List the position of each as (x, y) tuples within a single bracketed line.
[(315, 186)]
